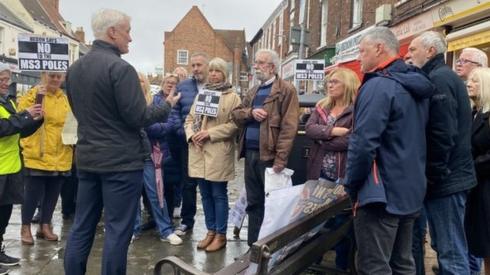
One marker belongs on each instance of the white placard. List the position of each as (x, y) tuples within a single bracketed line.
[(41, 53), (309, 69), (207, 103)]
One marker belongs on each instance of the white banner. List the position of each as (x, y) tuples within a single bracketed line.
[(207, 103)]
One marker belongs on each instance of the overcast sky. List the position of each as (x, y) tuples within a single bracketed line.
[(151, 18)]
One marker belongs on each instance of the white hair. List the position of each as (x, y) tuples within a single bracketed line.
[(478, 56), (433, 39), (106, 18), (384, 36), (274, 57)]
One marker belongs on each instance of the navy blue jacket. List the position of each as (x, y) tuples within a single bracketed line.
[(449, 160), (162, 132), (387, 148), (188, 90)]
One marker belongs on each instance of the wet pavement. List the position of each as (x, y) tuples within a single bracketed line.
[(46, 257)]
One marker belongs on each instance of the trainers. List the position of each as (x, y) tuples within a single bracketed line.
[(3, 270), (173, 239), (6, 259), (182, 229)]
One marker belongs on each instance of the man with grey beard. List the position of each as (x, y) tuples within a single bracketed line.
[(268, 118)]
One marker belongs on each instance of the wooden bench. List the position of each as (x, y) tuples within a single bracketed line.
[(260, 253)]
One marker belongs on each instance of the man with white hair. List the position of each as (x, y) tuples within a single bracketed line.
[(469, 59), (106, 98), (449, 170), (385, 175), (268, 118)]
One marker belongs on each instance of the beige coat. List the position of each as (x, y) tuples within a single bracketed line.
[(216, 160)]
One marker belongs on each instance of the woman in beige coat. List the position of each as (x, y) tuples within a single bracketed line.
[(211, 136)]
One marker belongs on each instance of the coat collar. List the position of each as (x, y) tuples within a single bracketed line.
[(105, 46), (480, 120), (433, 63)]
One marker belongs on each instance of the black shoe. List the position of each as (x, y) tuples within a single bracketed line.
[(36, 218), (3, 270), (149, 225), (7, 260)]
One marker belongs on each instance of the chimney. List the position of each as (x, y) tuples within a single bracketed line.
[(80, 35)]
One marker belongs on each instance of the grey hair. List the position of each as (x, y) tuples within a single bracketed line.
[(106, 18), (201, 54), (433, 39), (273, 56), (385, 36), (478, 55)]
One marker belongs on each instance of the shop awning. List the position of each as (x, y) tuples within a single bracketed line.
[(469, 37)]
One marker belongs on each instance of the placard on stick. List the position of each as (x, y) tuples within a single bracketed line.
[(41, 53), (207, 103)]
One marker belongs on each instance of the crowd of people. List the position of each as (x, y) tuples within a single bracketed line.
[(410, 143)]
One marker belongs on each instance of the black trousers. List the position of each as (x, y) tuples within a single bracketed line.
[(44, 189), (384, 241), (254, 186), (5, 213)]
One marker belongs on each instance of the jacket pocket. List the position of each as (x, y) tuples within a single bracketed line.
[(273, 131)]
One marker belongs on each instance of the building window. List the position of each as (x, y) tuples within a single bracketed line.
[(323, 32), (182, 57), (356, 19), (291, 5), (281, 26)]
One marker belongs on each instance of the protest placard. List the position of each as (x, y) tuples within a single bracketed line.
[(41, 53)]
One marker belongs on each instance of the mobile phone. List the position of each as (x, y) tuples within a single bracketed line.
[(39, 98)]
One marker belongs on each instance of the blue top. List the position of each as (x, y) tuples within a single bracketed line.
[(387, 148), (252, 134)]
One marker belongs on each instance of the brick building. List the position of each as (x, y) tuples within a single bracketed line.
[(194, 34)]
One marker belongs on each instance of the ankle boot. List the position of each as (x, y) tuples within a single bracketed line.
[(218, 242), (46, 232), (26, 235), (207, 240)]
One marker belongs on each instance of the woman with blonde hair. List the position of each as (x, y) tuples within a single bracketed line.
[(211, 141), (153, 175), (47, 160), (329, 126), (477, 219)]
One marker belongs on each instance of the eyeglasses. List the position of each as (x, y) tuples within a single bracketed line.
[(5, 79), (462, 61), (333, 82)]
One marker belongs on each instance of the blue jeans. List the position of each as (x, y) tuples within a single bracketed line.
[(160, 215), (446, 224), (117, 193), (214, 197), (189, 187), (418, 250)]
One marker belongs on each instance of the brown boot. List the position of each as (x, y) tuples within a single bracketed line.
[(26, 235), (219, 242), (202, 244), (46, 232)]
